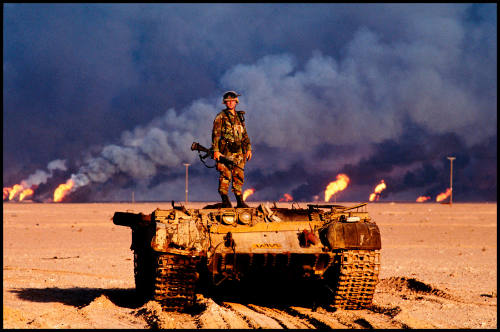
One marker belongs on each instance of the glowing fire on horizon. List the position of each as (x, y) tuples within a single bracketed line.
[(247, 193), (26, 192), (336, 186), (444, 195), (16, 191), (422, 199), (286, 198), (62, 190), (378, 189)]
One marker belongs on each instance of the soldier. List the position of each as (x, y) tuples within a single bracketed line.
[(230, 138)]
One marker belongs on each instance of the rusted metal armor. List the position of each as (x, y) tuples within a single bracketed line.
[(333, 246)]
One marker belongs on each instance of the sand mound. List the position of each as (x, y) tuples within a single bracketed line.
[(99, 303), (219, 317), (406, 285), (156, 318)]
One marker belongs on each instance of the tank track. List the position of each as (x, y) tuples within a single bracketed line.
[(175, 281), (357, 275)]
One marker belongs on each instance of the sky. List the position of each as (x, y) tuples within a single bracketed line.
[(111, 96)]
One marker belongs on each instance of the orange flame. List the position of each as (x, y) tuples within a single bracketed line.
[(286, 198), (378, 189), (18, 190), (381, 186), (423, 199), (62, 190), (15, 190), (247, 193), (26, 192), (6, 192), (444, 195), (336, 186)]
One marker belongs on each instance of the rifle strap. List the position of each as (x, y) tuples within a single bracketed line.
[(202, 158)]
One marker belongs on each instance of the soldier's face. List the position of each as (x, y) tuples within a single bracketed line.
[(231, 104)]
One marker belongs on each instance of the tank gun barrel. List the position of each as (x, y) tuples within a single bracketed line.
[(131, 219)]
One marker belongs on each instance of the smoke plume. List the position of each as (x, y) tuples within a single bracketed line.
[(41, 176), (378, 91)]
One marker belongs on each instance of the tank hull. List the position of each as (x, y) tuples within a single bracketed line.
[(179, 250)]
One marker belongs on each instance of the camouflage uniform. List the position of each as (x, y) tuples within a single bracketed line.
[(229, 137)]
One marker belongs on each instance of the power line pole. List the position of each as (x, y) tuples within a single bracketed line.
[(451, 178), (187, 165)]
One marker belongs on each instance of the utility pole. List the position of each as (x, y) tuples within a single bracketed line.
[(451, 178), (187, 165)]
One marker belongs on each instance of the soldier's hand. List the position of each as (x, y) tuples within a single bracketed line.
[(248, 155), (217, 155)]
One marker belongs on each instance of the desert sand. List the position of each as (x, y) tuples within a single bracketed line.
[(69, 266)]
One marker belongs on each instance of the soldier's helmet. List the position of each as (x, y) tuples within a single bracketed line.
[(230, 95)]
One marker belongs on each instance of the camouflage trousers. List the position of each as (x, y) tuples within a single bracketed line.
[(228, 173)]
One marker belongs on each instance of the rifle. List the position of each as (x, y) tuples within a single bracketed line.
[(210, 153)]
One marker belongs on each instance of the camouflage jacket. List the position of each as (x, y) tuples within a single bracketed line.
[(229, 134)]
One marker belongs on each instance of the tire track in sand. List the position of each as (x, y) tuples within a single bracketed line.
[(286, 320), (317, 319), (217, 316), (252, 317), (366, 318), (332, 318)]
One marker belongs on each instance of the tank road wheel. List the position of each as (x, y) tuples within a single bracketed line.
[(354, 279), (175, 282), (144, 272)]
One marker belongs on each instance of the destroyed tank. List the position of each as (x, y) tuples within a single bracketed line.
[(179, 250)]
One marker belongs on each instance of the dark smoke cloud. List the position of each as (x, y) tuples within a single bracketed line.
[(374, 90), (417, 169)]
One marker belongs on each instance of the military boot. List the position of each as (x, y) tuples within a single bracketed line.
[(241, 203), (225, 201)]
